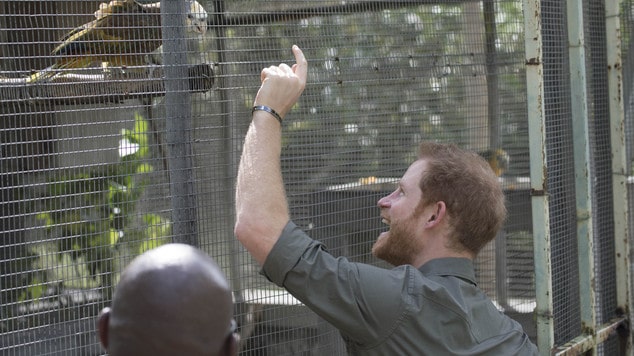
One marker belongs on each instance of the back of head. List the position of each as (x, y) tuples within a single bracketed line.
[(172, 300), (470, 189)]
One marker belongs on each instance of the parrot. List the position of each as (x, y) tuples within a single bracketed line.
[(123, 33), (498, 159)]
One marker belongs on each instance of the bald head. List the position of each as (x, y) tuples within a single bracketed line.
[(172, 300)]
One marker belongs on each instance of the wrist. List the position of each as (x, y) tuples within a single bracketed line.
[(268, 110)]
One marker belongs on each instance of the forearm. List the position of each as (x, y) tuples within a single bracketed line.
[(261, 207)]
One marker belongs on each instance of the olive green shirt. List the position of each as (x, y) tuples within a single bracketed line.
[(434, 310)]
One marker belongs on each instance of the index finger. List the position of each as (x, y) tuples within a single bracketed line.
[(301, 66)]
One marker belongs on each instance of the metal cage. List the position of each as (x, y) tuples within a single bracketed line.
[(110, 148)]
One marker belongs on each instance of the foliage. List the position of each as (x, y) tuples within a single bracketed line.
[(383, 81), (89, 216)]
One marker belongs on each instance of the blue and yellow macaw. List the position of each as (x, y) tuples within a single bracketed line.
[(123, 33)]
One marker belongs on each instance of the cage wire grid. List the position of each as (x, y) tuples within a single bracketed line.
[(561, 182), (601, 164), (627, 31), (88, 176)]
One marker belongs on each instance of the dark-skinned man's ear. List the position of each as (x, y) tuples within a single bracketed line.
[(102, 326), (231, 344)]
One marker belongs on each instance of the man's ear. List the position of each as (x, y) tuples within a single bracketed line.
[(102, 326), (437, 213)]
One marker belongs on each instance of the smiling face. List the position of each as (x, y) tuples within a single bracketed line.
[(400, 210), (449, 203)]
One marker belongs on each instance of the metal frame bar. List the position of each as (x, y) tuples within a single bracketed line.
[(593, 334), (619, 168), (179, 124), (584, 343), (539, 194), (583, 169)]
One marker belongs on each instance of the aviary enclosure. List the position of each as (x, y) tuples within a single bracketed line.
[(110, 149)]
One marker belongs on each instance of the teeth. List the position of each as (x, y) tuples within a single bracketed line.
[(385, 221)]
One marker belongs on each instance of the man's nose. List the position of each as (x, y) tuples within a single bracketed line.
[(384, 202)]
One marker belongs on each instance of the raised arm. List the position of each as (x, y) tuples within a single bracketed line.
[(261, 206)]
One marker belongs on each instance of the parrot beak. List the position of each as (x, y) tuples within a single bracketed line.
[(201, 28)]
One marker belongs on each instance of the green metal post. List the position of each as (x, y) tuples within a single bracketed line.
[(619, 166), (594, 334), (583, 170), (538, 171)]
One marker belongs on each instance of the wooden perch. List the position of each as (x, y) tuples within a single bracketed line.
[(111, 85)]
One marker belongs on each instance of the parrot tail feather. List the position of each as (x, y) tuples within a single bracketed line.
[(43, 75), (48, 73)]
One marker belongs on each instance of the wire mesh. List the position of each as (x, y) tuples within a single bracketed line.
[(93, 172), (560, 172), (627, 29), (601, 164)]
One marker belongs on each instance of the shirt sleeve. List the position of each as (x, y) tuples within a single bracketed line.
[(364, 302), (285, 253)]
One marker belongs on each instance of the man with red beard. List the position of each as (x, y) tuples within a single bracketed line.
[(447, 206)]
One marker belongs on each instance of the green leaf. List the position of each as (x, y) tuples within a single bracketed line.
[(34, 290), (151, 243), (144, 168), (113, 237), (46, 217)]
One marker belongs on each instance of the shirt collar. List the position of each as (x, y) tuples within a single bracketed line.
[(450, 266)]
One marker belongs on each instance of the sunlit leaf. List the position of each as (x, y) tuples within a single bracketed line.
[(114, 236), (34, 291), (149, 244), (46, 217), (144, 168), (126, 147)]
